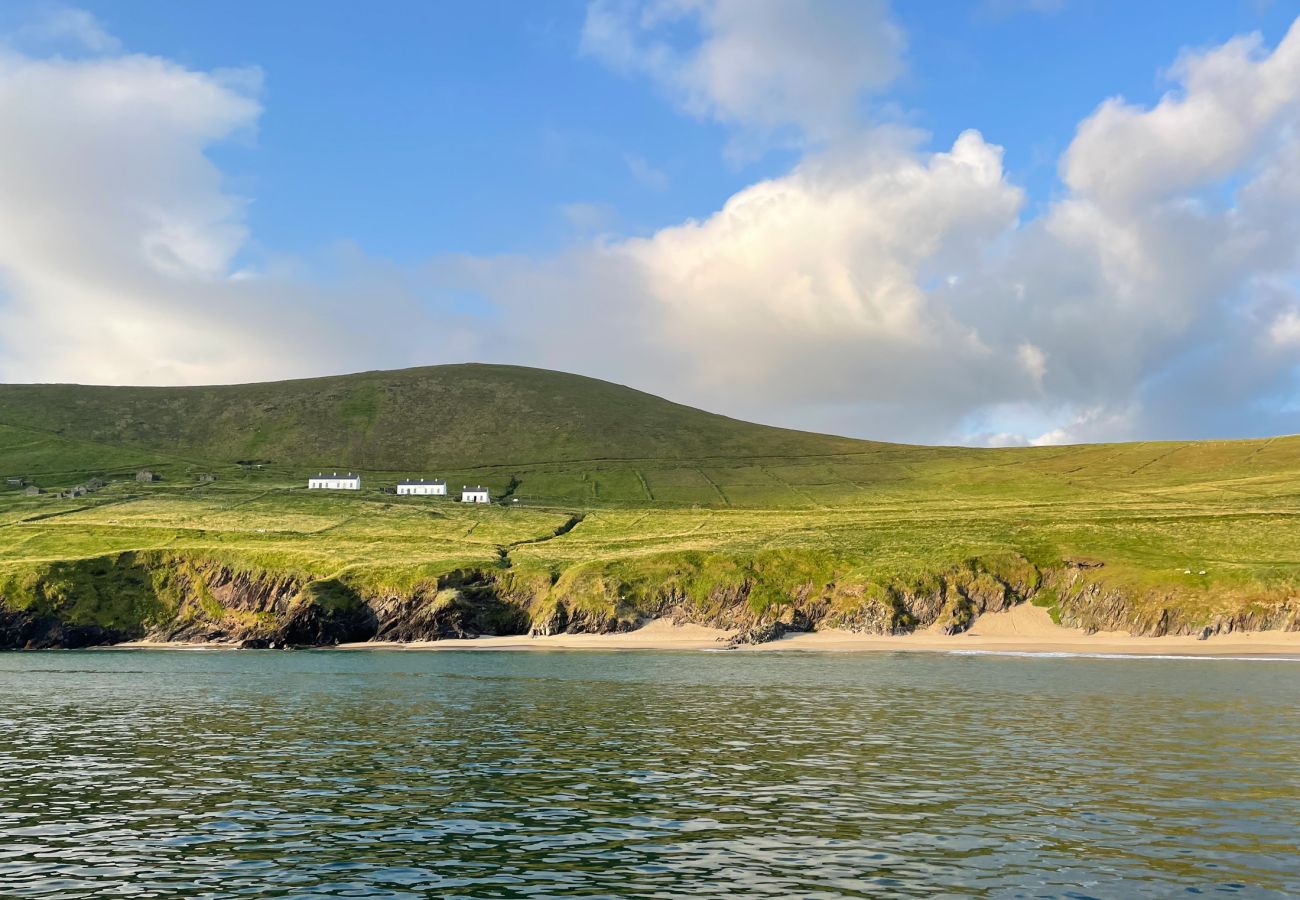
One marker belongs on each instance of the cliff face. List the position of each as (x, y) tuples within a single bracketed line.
[(171, 598), (1084, 600), (20, 630)]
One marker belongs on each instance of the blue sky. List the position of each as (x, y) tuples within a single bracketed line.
[(416, 128), (481, 158)]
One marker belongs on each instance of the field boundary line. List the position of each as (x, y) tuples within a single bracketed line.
[(714, 484)]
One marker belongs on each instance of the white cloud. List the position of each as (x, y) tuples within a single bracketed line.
[(800, 297), (763, 65), (118, 240), (1098, 423), (1034, 361), (892, 292), (877, 288), (65, 26), (1285, 330), (830, 255), (1144, 282), (1227, 101)]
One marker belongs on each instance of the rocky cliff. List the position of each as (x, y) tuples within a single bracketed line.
[(165, 597)]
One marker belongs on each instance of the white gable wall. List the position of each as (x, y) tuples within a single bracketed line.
[(426, 489), (334, 482)]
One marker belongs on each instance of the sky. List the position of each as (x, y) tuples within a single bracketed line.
[(996, 222)]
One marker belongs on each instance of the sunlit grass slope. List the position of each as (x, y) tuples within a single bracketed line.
[(557, 438), (1213, 549), (616, 502)]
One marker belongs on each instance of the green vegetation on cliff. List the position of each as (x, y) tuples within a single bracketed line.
[(619, 505)]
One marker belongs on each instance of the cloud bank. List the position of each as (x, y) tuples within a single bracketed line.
[(119, 241), (765, 65), (879, 288)]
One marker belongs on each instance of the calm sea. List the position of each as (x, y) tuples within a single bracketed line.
[(463, 774)]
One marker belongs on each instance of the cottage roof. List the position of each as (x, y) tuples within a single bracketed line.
[(422, 481)]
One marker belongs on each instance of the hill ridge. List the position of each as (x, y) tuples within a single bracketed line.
[(567, 438), (460, 415)]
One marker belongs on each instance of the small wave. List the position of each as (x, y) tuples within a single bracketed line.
[(1079, 654)]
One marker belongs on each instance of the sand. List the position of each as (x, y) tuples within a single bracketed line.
[(145, 644), (1029, 629), (659, 634), (1024, 629)]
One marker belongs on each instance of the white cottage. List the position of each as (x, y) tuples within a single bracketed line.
[(411, 486), (474, 495), (334, 482)]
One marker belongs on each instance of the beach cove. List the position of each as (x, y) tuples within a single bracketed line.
[(1023, 629)]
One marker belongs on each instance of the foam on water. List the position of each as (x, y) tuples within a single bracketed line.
[(1075, 654)]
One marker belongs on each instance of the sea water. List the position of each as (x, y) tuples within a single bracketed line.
[(645, 774)]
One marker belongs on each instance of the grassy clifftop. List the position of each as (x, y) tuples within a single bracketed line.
[(460, 416), (250, 560), (628, 506)]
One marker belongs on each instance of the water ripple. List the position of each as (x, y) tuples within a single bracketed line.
[(323, 774)]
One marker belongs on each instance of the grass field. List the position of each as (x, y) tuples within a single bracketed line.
[(688, 506)]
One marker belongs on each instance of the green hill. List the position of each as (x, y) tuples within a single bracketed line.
[(613, 505), (461, 416), (553, 437)]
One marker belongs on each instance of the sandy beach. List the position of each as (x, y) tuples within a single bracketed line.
[(659, 634), (1029, 629), (1024, 629)]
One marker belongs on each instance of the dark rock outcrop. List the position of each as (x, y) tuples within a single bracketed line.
[(461, 605), (175, 598), (19, 630)]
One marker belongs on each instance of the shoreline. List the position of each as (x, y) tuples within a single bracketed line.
[(1021, 630)]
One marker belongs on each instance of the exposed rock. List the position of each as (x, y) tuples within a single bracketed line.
[(762, 633), (175, 598), (564, 619), (461, 605), (1093, 605), (19, 630), (317, 625)]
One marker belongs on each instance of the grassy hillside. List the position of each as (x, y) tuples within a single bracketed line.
[(1149, 561), (620, 505), (460, 416), (549, 437)]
